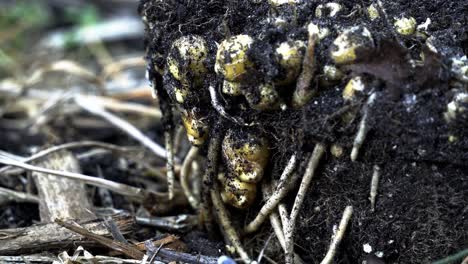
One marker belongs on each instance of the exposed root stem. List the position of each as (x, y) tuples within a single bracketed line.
[(170, 163), (229, 232), (363, 128), (276, 224), (338, 236), (184, 176), (279, 193), (283, 213), (303, 91), (220, 109), (374, 186), (209, 177), (301, 194)]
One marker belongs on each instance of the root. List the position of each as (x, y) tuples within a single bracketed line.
[(283, 212), (374, 186), (184, 176), (303, 91), (276, 224), (301, 194), (272, 202), (229, 232), (170, 163), (338, 236), (220, 109), (209, 177), (363, 128)]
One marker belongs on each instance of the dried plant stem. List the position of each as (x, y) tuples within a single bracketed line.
[(126, 107), (374, 186), (77, 144), (69, 67), (279, 193), (126, 249), (301, 194), (184, 176), (93, 107), (123, 189), (338, 236), (116, 67), (230, 233), (8, 195), (363, 128)]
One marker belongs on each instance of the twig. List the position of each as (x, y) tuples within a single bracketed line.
[(374, 186), (303, 91), (168, 255), (179, 223), (184, 176), (93, 107), (228, 230), (168, 139), (120, 188), (338, 236), (301, 194), (77, 144), (363, 128), (279, 193), (127, 249), (8, 195), (46, 237)]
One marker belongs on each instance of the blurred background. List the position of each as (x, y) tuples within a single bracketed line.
[(51, 49), (54, 52)]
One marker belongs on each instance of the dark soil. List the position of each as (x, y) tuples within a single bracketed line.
[(421, 211)]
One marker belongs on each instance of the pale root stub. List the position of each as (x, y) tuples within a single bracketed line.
[(345, 45), (319, 31), (354, 85), (332, 9), (284, 2), (290, 55), (405, 25)]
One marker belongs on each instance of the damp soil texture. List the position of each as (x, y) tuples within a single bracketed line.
[(416, 124)]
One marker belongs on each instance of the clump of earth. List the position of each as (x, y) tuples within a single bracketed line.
[(414, 64)]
